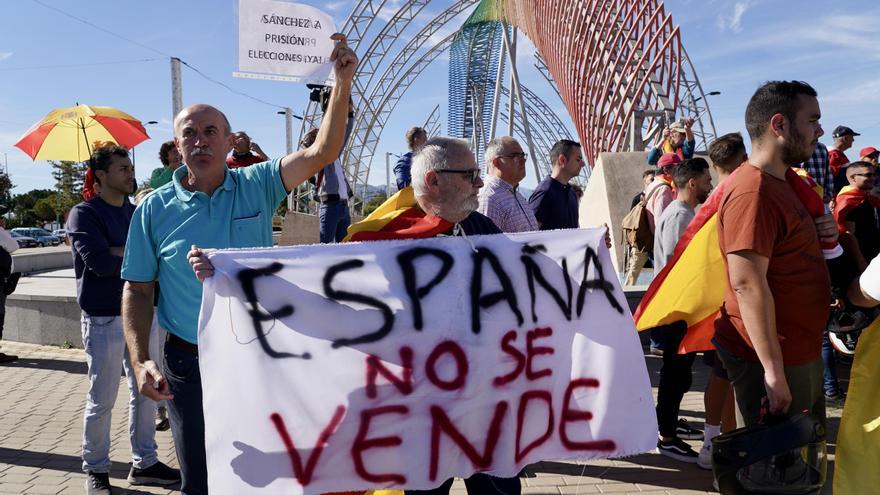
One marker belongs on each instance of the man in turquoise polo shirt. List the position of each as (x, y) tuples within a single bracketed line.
[(214, 207)]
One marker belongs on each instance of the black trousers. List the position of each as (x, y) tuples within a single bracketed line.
[(2, 311), (478, 484), (675, 376)]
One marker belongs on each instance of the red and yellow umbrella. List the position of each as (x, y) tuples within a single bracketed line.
[(69, 133)]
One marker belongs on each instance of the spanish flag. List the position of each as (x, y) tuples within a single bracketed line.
[(858, 440), (399, 217), (848, 199), (691, 286)]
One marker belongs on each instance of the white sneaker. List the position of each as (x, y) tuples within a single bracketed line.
[(704, 460)]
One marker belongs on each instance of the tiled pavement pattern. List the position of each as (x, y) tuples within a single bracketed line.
[(42, 397)]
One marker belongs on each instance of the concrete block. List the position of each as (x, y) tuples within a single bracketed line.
[(44, 259), (299, 228), (615, 179), (45, 320)]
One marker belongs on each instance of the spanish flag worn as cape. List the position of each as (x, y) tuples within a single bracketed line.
[(848, 199), (691, 286), (399, 217)]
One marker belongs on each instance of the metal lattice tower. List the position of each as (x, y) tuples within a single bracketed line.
[(432, 123), (617, 65)]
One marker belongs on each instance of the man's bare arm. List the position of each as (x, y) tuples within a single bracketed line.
[(748, 279), (302, 164), (137, 320)]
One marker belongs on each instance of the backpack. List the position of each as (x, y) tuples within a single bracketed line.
[(635, 226)]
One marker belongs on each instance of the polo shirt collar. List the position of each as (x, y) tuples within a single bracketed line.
[(186, 195)]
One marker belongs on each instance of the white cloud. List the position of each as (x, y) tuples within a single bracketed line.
[(855, 94), (733, 21), (335, 6), (5, 55)]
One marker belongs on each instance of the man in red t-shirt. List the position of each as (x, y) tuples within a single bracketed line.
[(769, 332), (244, 152), (837, 160)]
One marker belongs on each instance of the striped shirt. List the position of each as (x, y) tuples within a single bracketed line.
[(502, 203)]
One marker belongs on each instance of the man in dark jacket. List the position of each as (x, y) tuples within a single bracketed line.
[(98, 229), (415, 139)]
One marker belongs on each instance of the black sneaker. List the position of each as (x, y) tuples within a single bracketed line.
[(677, 449), (162, 423), (685, 431), (836, 399), (98, 484), (157, 474)]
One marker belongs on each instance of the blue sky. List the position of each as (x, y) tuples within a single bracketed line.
[(734, 46)]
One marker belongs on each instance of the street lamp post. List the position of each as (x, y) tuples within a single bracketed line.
[(288, 127), (710, 93), (388, 156), (288, 133)]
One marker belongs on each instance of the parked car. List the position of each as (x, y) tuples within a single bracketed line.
[(23, 240), (61, 234), (43, 236)]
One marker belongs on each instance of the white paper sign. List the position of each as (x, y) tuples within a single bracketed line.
[(403, 363), (286, 41)]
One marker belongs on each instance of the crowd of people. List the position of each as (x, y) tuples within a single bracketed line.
[(779, 244), (797, 224)]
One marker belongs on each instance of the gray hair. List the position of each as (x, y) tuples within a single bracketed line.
[(436, 154), (496, 147)]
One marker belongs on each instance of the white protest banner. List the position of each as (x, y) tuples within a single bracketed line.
[(403, 363), (284, 41)]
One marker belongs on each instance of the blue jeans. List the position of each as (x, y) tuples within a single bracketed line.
[(829, 374), (187, 418), (335, 219), (106, 354)]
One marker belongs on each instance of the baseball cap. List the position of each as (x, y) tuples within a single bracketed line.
[(843, 130), (868, 150), (668, 159), (676, 126)]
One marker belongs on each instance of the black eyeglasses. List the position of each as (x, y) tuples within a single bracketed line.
[(869, 175), (515, 155), (474, 173)]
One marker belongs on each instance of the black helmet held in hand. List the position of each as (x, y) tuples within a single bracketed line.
[(781, 456)]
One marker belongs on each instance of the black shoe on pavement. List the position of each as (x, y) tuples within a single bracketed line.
[(836, 399), (162, 423), (677, 449), (157, 474), (685, 431), (7, 358), (98, 484)]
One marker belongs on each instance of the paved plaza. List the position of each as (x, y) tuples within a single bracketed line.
[(41, 406)]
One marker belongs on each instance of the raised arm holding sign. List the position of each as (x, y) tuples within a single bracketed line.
[(213, 207)]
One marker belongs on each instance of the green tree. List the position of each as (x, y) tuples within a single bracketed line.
[(69, 177), (23, 214), (6, 186), (375, 202), (46, 209)]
